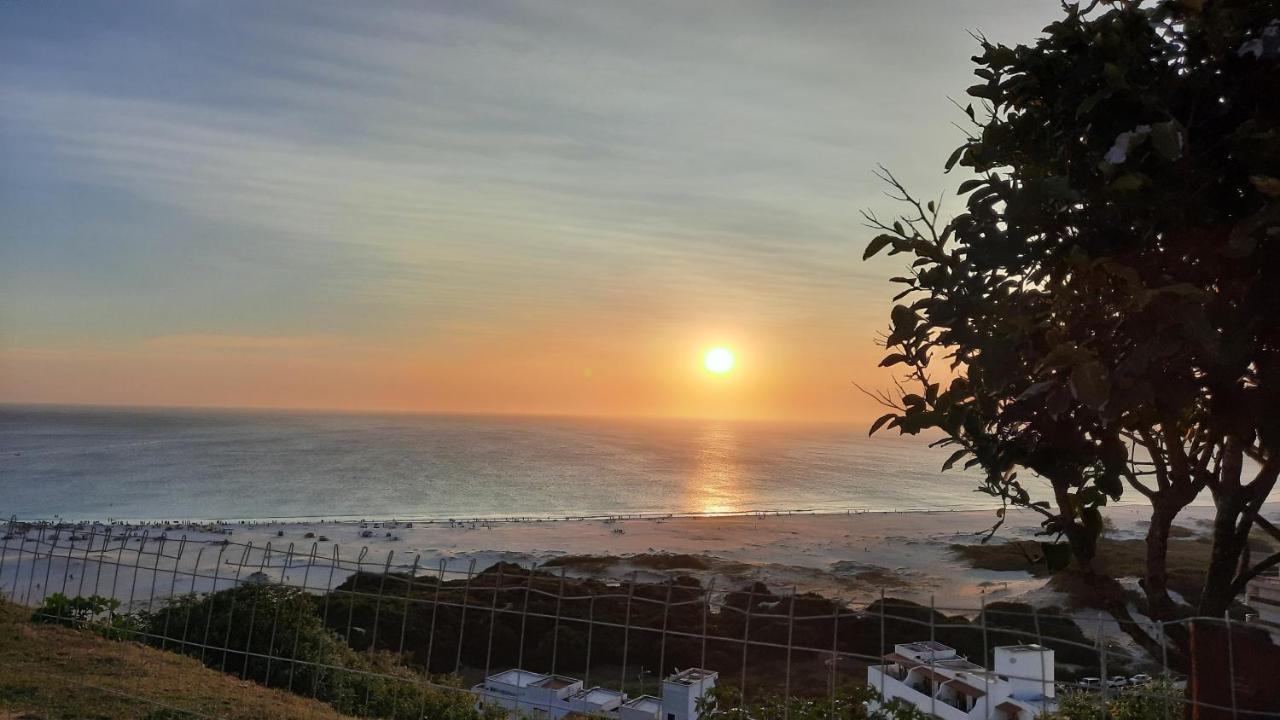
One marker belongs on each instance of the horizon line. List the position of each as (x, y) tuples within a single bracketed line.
[(432, 413)]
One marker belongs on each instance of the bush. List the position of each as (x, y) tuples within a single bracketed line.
[(273, 635), (1157, 701), (847, 703)]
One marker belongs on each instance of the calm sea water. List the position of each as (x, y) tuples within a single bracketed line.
[(152, 464)]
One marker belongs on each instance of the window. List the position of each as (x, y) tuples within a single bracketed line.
[(671, 716)]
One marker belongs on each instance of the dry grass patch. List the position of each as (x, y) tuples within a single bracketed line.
[(54, 672)]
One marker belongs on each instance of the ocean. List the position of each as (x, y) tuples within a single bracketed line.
[(148, 464)]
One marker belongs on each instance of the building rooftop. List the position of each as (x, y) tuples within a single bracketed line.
[(555, 682), (646, 703), (597, 696), (691, 676), (926, 646), (958, 664), (517, 677), (1023, 648)]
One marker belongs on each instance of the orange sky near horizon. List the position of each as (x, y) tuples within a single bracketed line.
[(653, 376), (529, 208)]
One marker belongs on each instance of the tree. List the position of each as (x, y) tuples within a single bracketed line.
[(1106, 307)]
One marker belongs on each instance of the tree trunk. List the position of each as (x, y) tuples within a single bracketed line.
[(1217, 595), (1230, 501), (1156, 581)]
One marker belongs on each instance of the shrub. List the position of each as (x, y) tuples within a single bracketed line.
[(273, 635)]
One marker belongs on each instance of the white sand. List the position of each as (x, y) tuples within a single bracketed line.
[(849, 556)]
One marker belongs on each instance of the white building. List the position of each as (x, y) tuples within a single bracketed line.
[(1263, 595), (555, 696), (938, 681)]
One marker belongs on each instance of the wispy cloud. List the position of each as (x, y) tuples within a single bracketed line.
[(437, 169)]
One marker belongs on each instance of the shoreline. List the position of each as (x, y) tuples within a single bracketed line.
[(346, 519), (851, 556)]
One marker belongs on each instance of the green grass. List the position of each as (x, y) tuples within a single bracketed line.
[(52, 672)]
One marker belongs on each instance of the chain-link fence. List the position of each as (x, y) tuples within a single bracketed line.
[(354, 630)]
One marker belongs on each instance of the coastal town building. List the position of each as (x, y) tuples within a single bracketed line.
[(1263, 595), (938, 681), (555, 697)]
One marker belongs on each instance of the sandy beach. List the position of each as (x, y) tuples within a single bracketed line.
[(853, 557)]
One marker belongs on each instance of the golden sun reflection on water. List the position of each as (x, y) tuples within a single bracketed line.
[(715, 483)]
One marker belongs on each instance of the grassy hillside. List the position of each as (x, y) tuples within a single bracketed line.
[(54, 672)]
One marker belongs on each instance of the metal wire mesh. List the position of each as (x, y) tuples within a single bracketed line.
[(244, 609)]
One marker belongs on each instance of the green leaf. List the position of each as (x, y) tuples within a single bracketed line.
[(877, 244), (880, 421), (1128, 182), (1114, 75), (983, 91), (969, 185), (904, 319), (955, 157), (1167, 139), (955, 456), (893, 359), (1090, 384), (1266, 185)]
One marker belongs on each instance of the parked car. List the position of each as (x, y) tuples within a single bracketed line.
[(1140, 679), (1118, 681), (1091, 683)]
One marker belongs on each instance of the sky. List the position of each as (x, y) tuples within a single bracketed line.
[(494, 207)]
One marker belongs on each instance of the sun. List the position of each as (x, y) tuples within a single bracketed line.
[(718, 360)]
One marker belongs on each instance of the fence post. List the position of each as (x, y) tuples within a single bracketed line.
[(746, 640), (431, 638), (377, 615), (173, 591), (524, 613), (351, 593), (706, 609), (591, 623), (208, 611), (662, 641), (334, 562), (48, 567), (1044, 687), (231, 612), (882, 640), (408, 593), (560, 598), (986, 660), (493, 620), (155, 571), (1102, 661), (253, 614), (93, 535), (186, 620), (137, 561), (377, 607), (791, 626), (297, 630), (626, 632), (17, 570), (4, 551), (1231, 663), (66, 570), (933, 690), (835, 659), (97, 575), (276, 602), (462, 623), (115, 574), (435, 607)]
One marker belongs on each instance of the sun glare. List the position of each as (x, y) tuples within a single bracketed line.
[(718, 360)]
